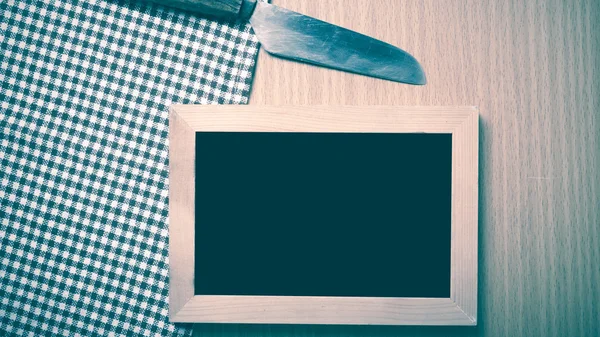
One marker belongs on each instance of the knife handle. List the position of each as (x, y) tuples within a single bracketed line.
[(222, 9)]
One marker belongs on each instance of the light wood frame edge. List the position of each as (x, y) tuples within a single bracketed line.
[(459, 309)]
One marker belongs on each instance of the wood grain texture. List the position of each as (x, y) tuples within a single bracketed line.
[(216, 8), (182, 142), (459, 309), (271, 118), (532, 68), (325, 310), (463, 256)]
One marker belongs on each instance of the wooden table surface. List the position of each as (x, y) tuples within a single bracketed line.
[(532, 68)]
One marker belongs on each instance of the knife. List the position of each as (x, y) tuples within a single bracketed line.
[(294, 36)]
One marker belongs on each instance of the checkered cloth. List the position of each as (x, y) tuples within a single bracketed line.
[(85, 90)]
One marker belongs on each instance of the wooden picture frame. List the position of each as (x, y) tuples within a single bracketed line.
[(459, 309)]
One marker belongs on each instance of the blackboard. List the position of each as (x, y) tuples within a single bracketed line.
[(323, 214)]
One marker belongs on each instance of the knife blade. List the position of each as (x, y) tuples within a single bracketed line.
[(290, 35)]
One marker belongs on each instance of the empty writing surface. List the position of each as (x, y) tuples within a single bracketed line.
[(323, 214)]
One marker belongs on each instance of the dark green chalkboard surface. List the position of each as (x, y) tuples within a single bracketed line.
[(323, 214)]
